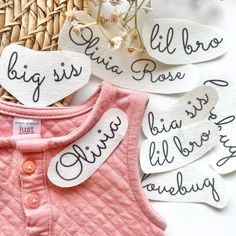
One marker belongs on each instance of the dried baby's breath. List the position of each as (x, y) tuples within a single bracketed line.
[(114, 43), (114, 18), (70, 15), (148, 7)]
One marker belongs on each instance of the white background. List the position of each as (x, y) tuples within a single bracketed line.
[(196, 219)]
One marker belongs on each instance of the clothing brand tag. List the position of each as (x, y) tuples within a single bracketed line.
[(22, 126)]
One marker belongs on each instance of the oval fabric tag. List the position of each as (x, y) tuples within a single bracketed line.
[(193, 107), (188, 184), (77, 162), (223, 115), (39, 79), (176, 42), (178, 148)]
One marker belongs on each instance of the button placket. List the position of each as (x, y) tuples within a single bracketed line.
[(35, 194)]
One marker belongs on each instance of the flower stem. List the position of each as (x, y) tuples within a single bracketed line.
[(136, 26), (105, 35), (99, 11), (127, 13), (135, 13)]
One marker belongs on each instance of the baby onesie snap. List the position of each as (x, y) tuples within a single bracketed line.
[(44, 153)]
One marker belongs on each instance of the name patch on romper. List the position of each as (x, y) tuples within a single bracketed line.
[(81, 159)]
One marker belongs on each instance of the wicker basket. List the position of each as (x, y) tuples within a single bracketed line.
[(34, 24)]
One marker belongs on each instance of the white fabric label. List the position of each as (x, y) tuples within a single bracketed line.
[(178, 148), (81, 159), (39, 79), (187, 184), (191, 108), (136, 71), (223, 157), (174, 41)]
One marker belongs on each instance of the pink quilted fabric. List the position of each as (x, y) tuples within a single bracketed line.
[(110, 202)]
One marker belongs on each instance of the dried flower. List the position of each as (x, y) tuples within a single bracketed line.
[(78, 28), (70, 15), (115, 43), (134, 34), (130, 49), (148, 8), (115, 2), (114, 17), (124, 35), (103, 20)]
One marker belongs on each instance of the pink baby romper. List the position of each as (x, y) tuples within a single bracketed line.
[(111, 202)]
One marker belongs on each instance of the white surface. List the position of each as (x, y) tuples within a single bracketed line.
[(197, 219)]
